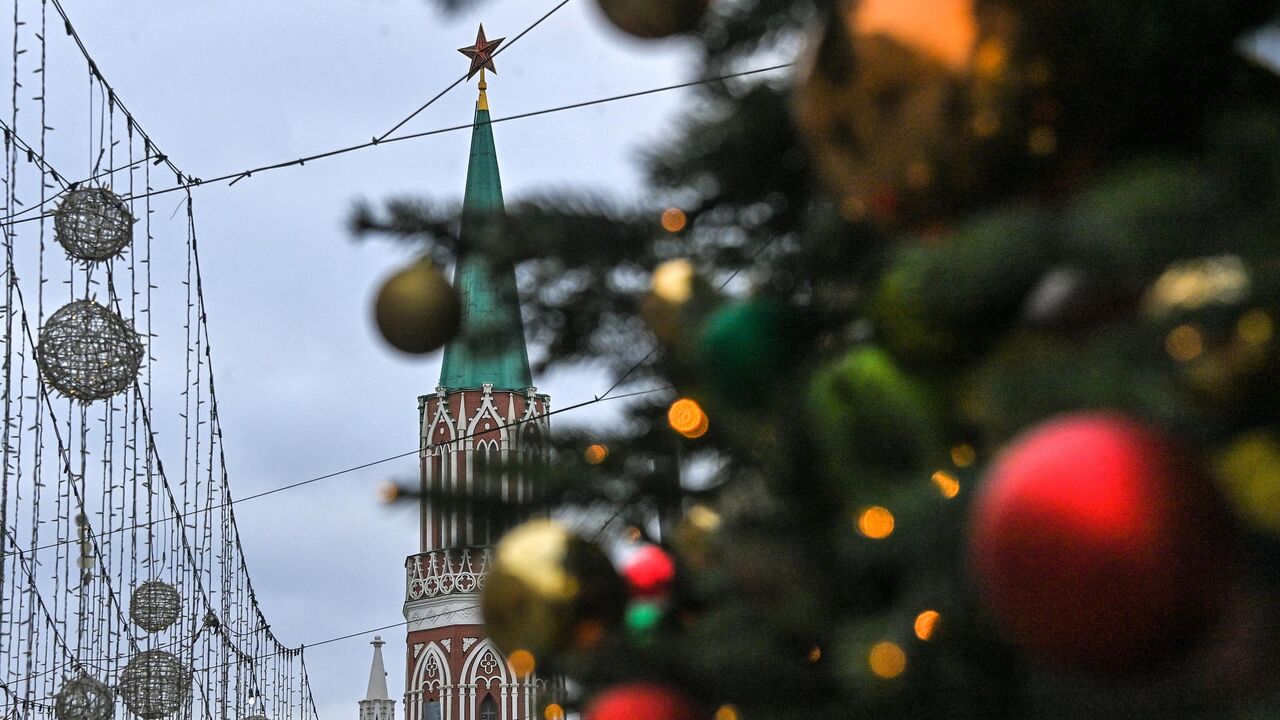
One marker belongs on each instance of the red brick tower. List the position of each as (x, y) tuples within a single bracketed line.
[(481, 432)]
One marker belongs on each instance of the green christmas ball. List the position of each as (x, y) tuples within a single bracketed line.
[(653, 19), (869, 416), (745, 345), (417, 310), (548, 588)]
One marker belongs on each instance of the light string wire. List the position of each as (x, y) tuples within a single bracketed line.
[(237, 176)]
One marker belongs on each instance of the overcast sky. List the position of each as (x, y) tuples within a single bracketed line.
[(305, 385)]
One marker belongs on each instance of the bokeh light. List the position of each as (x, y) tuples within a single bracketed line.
[(1255, 327), (522, 663), (1043, 141), (388, 492), (941, 29), (553, 711), (588, 634), (926, 624), (727, 712), (596, 454), (1185, 343), (815, 654), (674, 220), (673, 281), (876, 523), (642, 618), (887, 660), (687, 418), (947, 484), (963, 455)]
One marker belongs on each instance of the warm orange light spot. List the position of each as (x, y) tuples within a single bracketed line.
[(943, 29), (588, 634), (815, 654), (986, 123), (1184, 343), (596, 454), (926, 623), (687, 418), (553, 712), (876, 523), (522, 663), (634, 534), (1255, 327), (919, 174), (727, 712), (991, 57), (674, 220), (673, 281), (963, 455), (947, 484), (388, 492), (887, 660), (1043, 141)]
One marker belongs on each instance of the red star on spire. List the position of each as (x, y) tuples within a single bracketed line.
[(481, 54)]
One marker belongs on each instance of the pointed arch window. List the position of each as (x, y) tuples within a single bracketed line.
[(433, 711), (488, 708)]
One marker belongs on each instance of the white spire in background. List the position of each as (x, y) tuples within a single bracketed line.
[(377, 703)]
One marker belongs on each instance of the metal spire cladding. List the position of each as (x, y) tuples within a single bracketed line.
[(490, 349)]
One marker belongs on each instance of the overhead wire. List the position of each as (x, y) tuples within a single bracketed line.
[(239, 175), (463, 78)]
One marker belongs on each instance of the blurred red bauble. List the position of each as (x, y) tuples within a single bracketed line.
[(649, 572), (653, 19), (640, 701), (1097, 546)]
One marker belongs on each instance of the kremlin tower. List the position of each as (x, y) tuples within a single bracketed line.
[(481, 431)]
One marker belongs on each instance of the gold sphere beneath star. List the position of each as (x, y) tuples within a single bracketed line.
[(417, 310), (544, 584)]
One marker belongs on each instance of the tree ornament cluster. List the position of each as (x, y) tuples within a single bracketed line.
[(154, 684), (93, 224), (1096, 544), (84, 698), (155, 605), (417, 310), (88, 352)]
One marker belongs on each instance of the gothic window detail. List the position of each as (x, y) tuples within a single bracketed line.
[(488, 709)]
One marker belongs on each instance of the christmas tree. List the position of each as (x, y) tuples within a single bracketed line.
[(972, 315)]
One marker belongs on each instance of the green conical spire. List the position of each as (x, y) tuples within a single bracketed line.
[(490, 346)]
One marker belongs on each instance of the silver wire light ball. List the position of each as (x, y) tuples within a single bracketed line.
[(84, 698), (155, 684), (93, 224), (88, 352), (155, 605)]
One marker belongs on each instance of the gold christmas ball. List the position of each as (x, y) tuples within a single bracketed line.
[(417, 310), (653, 19), (547, 587), (896, 98)]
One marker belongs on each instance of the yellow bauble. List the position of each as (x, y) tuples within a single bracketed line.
[(1249, 474), (417, 310), (652, 19), (549, 587)]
